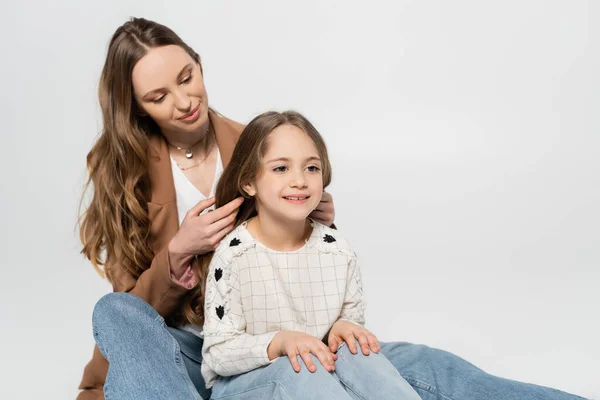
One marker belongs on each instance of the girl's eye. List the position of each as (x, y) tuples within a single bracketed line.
[(280, 169), (187, 79), (159, 100), (313, 168)]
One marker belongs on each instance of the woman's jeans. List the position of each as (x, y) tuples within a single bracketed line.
[(149, 360)]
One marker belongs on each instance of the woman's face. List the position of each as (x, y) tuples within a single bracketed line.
[(169, 87)]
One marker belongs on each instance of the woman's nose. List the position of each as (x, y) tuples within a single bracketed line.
[(182, 101)]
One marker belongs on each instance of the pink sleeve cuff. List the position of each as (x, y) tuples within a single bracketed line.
[(187, 279)]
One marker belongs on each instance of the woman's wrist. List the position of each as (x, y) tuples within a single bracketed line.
[(178, 260)]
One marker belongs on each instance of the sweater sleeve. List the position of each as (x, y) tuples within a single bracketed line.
[(228, 349), (353, 309)]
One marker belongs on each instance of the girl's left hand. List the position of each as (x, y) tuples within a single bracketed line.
[(346, 331), (325, 212)]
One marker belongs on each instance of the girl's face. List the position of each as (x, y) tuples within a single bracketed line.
[(168, 85), (289, 185)]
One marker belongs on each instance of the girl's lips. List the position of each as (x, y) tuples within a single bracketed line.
[(296, 199), (192, 115)]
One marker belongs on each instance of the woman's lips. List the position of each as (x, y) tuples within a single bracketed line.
[(192, 115)]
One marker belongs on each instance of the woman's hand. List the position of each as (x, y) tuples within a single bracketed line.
[(325, 212), (292, 344), (346, 331), (200, 234)]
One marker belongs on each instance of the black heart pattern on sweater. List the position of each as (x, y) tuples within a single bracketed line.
[(220, 311), (328, 238), (234, 242), (218, 274)]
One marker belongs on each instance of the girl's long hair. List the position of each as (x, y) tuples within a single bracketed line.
[(245, 166)]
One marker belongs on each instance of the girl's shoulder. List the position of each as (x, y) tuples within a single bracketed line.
[(329, 240), (234, 244)]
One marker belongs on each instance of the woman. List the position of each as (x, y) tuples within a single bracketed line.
[(153, 169)]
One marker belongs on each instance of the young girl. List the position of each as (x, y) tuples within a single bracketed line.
[(281, 284)]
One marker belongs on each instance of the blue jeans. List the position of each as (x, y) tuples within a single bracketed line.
[(149, 360), (356, 376)]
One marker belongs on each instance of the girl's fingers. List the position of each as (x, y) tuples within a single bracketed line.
[(351, 342), (325, 357), (373, 343), (305, 354), (294, 361), (334, 343), (364, 343)]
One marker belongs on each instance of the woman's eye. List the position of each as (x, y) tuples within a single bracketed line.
[(187, 79), (159, 100), (280, 169), (313, 168)]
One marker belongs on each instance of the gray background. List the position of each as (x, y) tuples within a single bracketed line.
[(465, 140)]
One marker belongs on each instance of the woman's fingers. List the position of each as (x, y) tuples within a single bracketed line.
[(216, 239), (218, 225), (327, 197), (199, 207), (224, 211), (321, 217)]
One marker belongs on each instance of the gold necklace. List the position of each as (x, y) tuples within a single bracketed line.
[(200, 162), (188, 152)]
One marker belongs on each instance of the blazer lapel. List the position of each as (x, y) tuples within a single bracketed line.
[(162, 207)]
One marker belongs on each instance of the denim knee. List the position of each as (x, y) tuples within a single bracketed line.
[(284, 372), (344, 352), (115, 311), (112, 306)]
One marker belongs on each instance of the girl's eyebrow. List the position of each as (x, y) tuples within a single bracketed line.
[(313, 158), (153, 92)]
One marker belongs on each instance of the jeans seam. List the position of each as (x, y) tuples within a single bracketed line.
[(282, 388), (245, 391), (182, 369), (347, 387), (427, 387), (353, 389)]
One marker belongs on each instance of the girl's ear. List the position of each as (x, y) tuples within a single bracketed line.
[(249, 189)]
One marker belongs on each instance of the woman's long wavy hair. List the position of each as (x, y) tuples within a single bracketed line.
[(115, 226)]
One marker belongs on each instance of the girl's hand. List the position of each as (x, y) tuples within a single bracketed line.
[(345, 331), (325, 212), (200, 234), (293, 343)]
